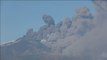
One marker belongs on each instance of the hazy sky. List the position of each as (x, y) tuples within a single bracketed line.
[(18, 16)]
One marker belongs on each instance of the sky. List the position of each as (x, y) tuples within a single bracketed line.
[(19, 16)]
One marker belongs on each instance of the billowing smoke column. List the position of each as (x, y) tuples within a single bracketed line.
[(92, 46), (101, 9), (48, 20), (84, 37)]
